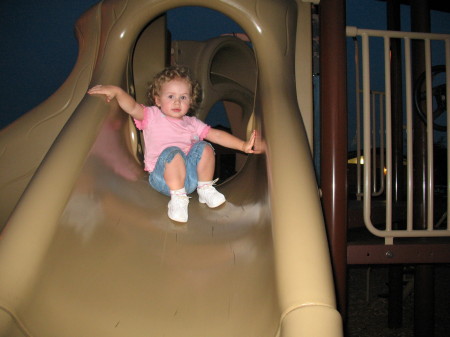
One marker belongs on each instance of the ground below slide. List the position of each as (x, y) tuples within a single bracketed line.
[(368, 305)]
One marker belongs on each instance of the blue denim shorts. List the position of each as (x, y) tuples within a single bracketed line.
[(156, 177)]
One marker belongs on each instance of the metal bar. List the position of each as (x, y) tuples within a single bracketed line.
[(382, 145), (447, 80), (334, 137), (378, 172), (374, 144), (358, 121), (409, 136), (374, 253), (387, 83), (354, 31), (430, 141), (366, 126)]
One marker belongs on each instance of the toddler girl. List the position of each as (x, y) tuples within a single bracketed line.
[(176, 156)]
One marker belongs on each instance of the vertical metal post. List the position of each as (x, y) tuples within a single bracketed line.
[(424, 300), (395, 311), (424, 276), (333, 103)]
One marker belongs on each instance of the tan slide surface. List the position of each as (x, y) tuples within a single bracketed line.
[(87, 248)]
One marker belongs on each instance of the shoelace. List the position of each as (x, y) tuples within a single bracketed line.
[(208, 185), (180, 201)]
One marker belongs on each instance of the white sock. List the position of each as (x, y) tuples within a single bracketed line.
[(203, 183), (181, 191)]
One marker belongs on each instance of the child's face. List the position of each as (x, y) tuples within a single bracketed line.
[(174, 99)]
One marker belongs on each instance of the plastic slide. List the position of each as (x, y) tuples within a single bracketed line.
[(87, 248)]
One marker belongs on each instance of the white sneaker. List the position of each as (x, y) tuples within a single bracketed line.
[(209, 195), (178, 208)]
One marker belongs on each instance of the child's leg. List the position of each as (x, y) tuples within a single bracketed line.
[(206, 165), (200, 164), (168, 178), (157, 178), (175, 173)]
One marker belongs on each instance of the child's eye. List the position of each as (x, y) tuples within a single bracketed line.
[(170, 96), (183, 98)]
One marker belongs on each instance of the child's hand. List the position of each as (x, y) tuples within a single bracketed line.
[(247, 147), (108, 91), (126, 102)]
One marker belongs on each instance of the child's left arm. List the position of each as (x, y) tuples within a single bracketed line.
[(228, 140)]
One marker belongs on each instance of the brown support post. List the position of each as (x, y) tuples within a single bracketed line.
[(419, 24), (395, 299), (395, 307), (333, 105), (424, 274), (424, 300)]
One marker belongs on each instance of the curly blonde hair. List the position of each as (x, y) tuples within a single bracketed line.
[(175, 72)]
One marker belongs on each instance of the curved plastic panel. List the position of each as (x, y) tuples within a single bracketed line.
[(24, 143)]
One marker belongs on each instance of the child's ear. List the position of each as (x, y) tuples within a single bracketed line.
[(157, 101)]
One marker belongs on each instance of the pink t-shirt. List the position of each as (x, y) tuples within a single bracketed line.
[(161, 131)]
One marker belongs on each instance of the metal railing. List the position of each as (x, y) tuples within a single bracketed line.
[(378, 165), (385, 142)]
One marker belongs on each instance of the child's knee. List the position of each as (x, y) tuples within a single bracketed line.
[(208, 151), (177, 160)]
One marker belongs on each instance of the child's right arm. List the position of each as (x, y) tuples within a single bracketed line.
[(126, 102)]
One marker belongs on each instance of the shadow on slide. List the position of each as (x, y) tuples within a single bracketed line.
[(87, 248)]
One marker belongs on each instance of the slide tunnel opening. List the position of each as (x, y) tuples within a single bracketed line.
[(220, 57)]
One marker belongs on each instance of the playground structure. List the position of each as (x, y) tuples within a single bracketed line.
[(87, 245), (87, 248), (401, 188), (375, 230)]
